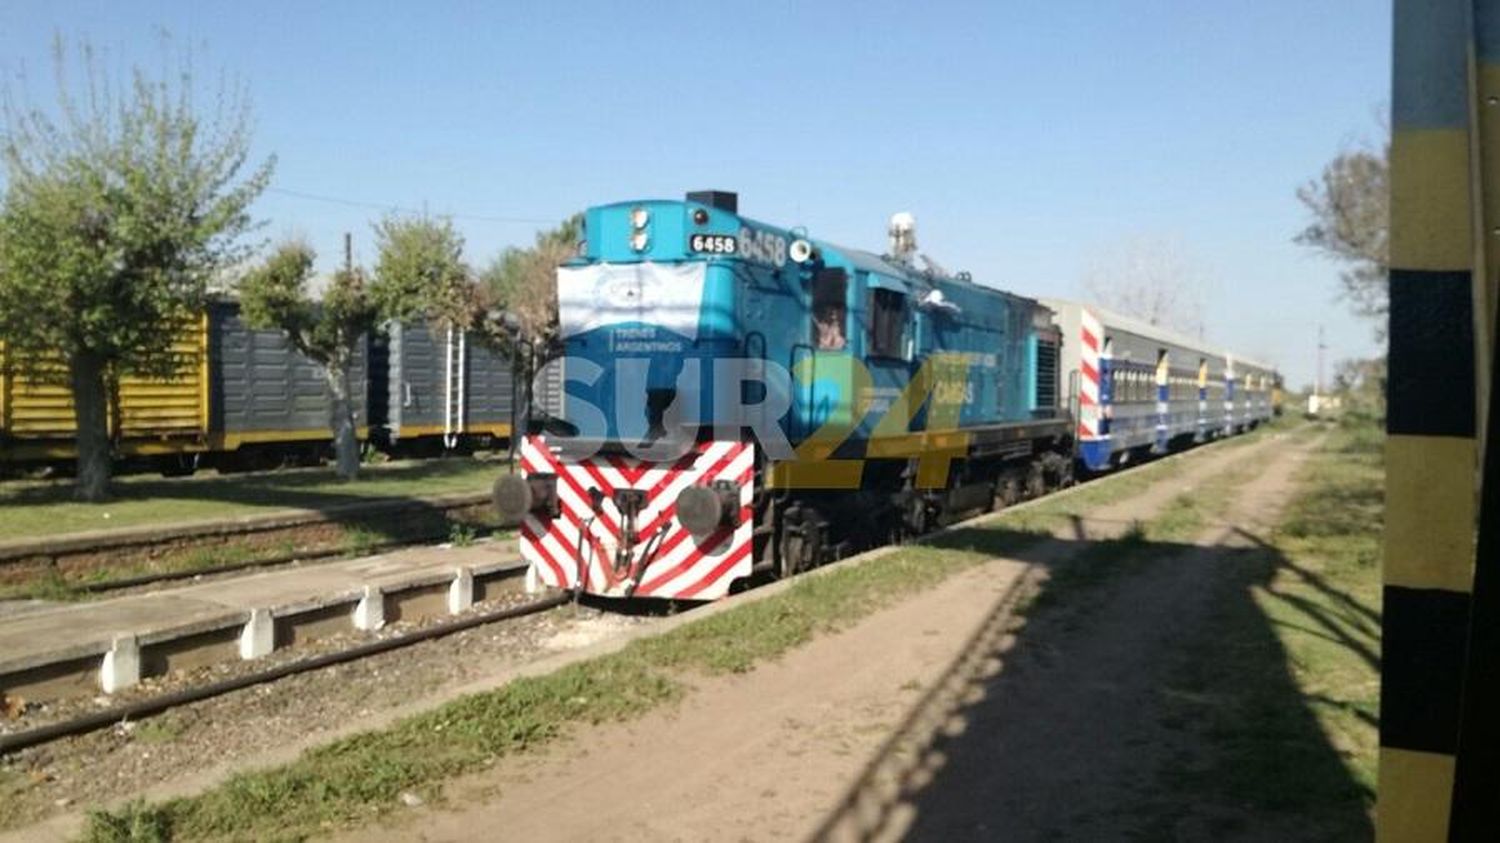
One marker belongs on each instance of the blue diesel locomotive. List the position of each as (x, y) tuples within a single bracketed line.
[(738, 396)]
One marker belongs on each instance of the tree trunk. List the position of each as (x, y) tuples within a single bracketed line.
[(341, 422), (91, 415)]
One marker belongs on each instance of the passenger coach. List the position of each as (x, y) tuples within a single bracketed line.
[(1138, 389)]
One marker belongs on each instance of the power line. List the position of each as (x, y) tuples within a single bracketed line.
[(378, 206)]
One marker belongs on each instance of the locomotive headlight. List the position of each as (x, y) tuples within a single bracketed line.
[(639, 241), (639, 218), (703, 509)]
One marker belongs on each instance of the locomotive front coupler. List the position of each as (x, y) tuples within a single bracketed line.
[(629, 502)]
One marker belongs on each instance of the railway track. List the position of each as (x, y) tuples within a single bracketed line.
[(275, 561), (148, 707), (155, 705), (265, 540)]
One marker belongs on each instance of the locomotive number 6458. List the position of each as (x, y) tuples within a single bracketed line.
[(715, 244)]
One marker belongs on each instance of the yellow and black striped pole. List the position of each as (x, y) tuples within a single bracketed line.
[(1475, 806), (1431, 421)]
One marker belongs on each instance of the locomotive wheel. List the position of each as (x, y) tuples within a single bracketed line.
[(1008, 490), (1036, 481), (916, 517), (801, 541)]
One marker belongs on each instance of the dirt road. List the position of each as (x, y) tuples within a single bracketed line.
[(1041, 731)]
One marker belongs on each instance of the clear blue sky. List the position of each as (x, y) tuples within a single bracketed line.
[(1028, 138)]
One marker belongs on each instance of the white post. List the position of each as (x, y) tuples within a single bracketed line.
[(461, 590), (369, 615), (258, 638), (122, 664)]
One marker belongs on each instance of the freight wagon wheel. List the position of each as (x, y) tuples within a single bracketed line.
[(177, 465)]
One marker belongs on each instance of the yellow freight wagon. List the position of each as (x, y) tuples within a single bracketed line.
[(151, 417), (241, 399), (245, 398)]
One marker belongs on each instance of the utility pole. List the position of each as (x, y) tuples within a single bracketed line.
[(1318, 385), (348, 252)]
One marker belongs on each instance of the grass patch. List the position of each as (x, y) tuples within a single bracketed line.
[(1282, 690), (38, 508), (461, 534), (158, 730), (49, 585), (361, 541)]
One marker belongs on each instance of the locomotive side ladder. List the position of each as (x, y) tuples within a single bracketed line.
[(455, 352)]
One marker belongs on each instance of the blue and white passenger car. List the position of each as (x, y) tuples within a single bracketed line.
[(1139, 389)]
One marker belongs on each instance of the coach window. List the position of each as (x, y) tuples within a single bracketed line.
[(829, 313), (887, 323)]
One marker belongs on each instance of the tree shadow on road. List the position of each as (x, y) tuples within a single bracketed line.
[(1159, 705)]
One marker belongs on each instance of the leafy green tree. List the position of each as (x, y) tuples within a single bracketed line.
[(275, 295), (523, 281), (120, 204), (1350, 207), (421, 274)]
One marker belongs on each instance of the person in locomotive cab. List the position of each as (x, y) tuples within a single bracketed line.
[(828, 319), (829, 313)]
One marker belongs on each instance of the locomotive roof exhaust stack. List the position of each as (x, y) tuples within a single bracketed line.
[(903, 232), (721, 199)]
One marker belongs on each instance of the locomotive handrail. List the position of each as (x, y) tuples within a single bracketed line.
[(811, 380)]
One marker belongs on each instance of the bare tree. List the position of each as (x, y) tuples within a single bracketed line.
[(524, 281), (1350, 207), (1148, 278)]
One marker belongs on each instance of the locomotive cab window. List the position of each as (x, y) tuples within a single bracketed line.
[(887, 324), (829, 311)]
